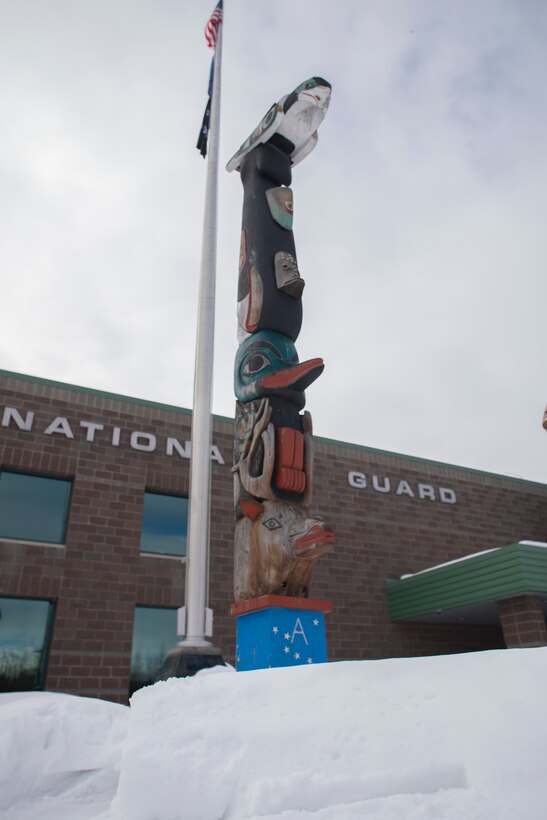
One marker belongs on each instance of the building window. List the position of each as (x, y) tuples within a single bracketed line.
[(164, 524), (25, 636), (154, 634), (33, 508)]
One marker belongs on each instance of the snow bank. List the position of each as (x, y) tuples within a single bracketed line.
[(461, 737), (59, 755)]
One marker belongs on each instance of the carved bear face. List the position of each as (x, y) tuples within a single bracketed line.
[(276, 546)]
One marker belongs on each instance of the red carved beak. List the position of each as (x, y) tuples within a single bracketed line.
[(299, 376)]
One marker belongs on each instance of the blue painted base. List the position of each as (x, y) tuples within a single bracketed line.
[(277, 636)]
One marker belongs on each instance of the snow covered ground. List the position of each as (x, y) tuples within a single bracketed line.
[(59, 755), (458, 737)]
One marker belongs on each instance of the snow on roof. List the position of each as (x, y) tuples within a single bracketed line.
[(467, 557), (448, 563)]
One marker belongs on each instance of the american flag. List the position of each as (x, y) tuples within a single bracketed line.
[(211, 29)]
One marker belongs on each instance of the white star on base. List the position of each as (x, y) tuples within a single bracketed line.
[(286, 650), (275, 630), (310, 660), (287, 636), (315, 622), (297, 656)]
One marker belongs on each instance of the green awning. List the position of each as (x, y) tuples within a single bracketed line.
[(468, 589)]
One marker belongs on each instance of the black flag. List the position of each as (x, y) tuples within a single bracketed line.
[(204, 132)]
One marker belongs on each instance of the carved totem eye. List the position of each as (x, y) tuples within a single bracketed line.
[(272, 524), (255, 364)]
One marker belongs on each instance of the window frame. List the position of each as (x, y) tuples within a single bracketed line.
[(141, 607), (41, 673), (25, 539), (156, 553)]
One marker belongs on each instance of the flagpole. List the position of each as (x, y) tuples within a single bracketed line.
[(197, 560)]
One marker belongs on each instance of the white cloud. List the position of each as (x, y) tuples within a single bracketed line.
[(419, 218)]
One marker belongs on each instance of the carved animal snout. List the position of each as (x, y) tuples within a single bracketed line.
[(315, 538), (276, 548)]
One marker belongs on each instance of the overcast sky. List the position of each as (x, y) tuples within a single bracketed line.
[(420, 218)]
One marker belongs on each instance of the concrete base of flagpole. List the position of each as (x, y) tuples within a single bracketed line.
[(184, 661)]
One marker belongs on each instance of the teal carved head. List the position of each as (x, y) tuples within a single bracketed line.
[(267, 365)]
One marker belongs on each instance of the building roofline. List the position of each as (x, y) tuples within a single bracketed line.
[(491, 575), (103, 393), (337, 443)]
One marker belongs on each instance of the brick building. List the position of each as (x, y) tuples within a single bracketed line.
[(93, 490)]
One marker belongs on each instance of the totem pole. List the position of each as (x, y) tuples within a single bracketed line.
[(277, 539)]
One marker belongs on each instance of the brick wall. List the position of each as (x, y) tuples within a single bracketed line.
[(523, 621), (381, 536), (99, 576)]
